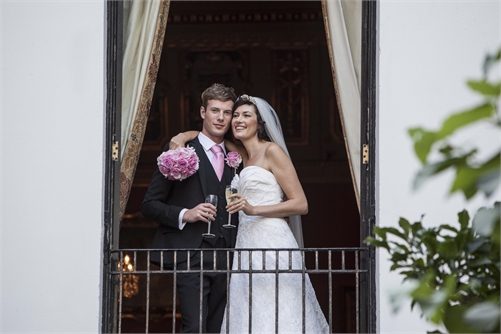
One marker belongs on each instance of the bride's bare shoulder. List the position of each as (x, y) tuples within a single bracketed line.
[(272, 150)]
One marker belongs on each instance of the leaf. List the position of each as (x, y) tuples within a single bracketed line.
[(448, 249), (453, 320), (462, 238), (484, 316), (450, 283), (430, 242), (489, 182), (447, 149), (394, 231), (395, 266), (376, 243), (396, 257), (401, 248), (490, 60), (405, 225), (464, 118), (485, 220), (433, 306), (467, 177), (423, 141), (484, 87), (486, 281), (463, 219), (424, 290), (435, 168), (476, 244), (409, 274), (448, 228), (480, 262), (381, 232), (416, 228), (496, 235)]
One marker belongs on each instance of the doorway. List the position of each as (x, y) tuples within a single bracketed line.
[(277, 51)]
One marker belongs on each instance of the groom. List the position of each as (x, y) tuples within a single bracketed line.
[(180, 208)]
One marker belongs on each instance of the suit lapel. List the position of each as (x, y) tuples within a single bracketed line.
[(202, 168)]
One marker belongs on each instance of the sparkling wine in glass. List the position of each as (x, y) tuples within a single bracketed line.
[(228, 192), (212, 199)]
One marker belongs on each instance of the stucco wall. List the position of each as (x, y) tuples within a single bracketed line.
[(428, 49), (52, 165), (52, 145)]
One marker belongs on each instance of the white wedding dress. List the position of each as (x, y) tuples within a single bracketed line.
[(260, 187)]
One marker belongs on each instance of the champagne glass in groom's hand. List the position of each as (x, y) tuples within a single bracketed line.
[(212, 199)]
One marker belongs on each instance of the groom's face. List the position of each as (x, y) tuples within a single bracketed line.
[(216, 119)]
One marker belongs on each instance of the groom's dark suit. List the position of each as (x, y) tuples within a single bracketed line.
[(163, 202)]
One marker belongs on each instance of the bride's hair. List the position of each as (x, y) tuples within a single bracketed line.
[(249, 100)]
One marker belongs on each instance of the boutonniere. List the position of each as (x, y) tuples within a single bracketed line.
[(178, 164), (233, 159)]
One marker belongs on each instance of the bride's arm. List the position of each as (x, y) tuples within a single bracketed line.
[(182, 138), (282, 168)]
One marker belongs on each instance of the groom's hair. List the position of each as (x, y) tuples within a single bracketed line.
[(218, 92)]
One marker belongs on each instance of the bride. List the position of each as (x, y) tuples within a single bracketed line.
[(267, 176)]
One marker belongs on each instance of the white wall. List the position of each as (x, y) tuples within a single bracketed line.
[(52, 145), (52, 164), (428, 49)]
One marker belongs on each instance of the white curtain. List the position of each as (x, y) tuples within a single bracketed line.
[(140, 23), (343, 23)]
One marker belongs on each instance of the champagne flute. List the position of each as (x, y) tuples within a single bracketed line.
[(212, 199), (228, 192)]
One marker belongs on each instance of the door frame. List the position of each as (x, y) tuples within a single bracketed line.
[(111, 191), (368, 109), (111, 186)]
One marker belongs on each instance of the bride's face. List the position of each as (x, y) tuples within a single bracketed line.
[(244, 123)]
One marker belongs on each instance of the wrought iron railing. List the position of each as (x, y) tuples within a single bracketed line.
[(134, 277)]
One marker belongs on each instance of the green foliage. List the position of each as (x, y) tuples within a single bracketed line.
[(453, 273), (472, 175)]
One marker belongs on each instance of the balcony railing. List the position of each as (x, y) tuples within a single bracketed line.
[(335, 272)]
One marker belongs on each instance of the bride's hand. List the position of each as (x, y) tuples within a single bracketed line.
[(177, 141), (181, 139), (239, 204)]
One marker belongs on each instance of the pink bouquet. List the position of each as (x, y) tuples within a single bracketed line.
[(178, 164), (233, 159)]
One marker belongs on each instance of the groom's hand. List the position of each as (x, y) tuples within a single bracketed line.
[(202, 212)]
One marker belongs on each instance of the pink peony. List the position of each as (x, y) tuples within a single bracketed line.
[(178, 164), (233, 159)]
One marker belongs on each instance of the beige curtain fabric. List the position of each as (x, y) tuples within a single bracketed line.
[(145, 23), (343, 27), (140, 23), (352, 14)]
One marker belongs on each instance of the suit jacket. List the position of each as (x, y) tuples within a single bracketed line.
[(165, 199)]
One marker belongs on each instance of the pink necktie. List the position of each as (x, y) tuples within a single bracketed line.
[(218, 160)]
